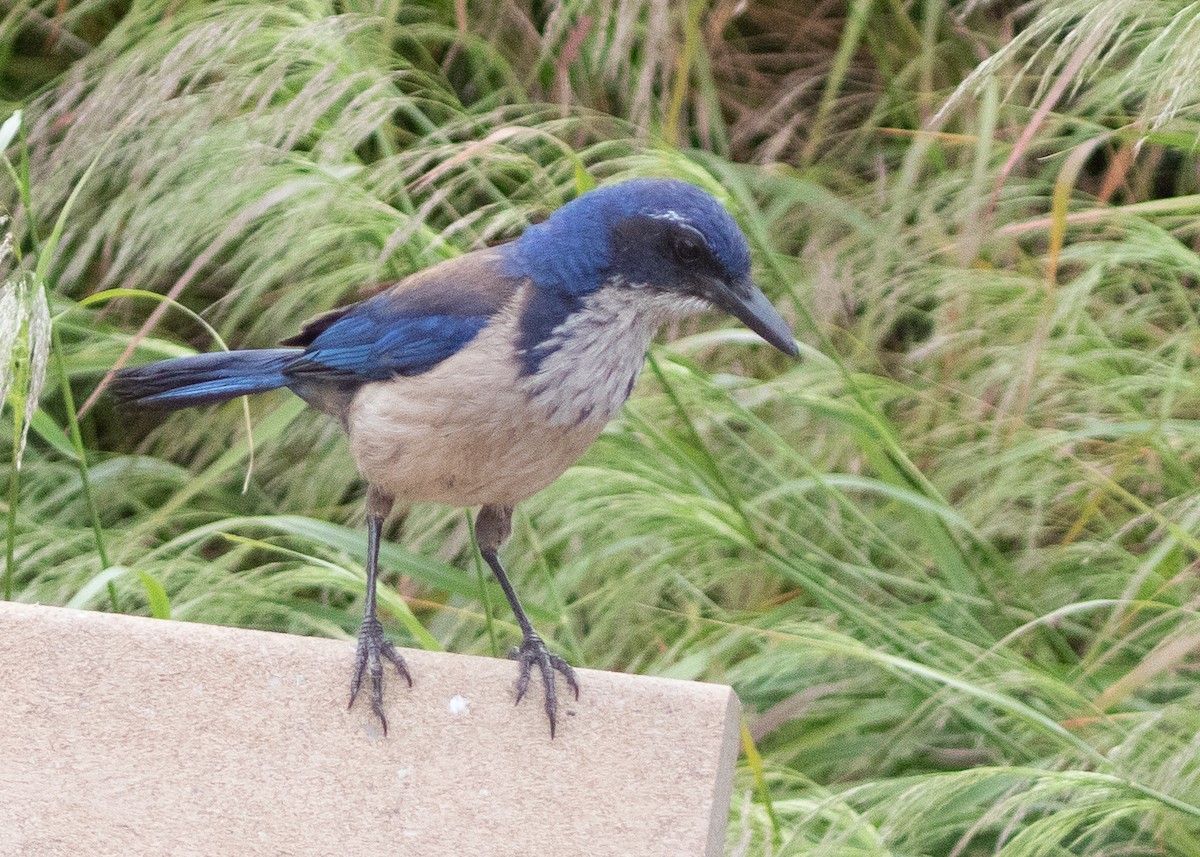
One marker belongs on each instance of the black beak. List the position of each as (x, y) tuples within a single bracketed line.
[(746, 302)]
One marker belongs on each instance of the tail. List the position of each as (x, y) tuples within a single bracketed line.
[(203, 379)]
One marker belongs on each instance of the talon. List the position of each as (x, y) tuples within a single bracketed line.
[(389, 652), (356, 682), (533, 651), (522, 682), (373, 647), (568, 673)]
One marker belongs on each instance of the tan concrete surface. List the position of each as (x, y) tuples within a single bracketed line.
[(131, 736)]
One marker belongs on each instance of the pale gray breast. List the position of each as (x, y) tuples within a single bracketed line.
[(595, 356)]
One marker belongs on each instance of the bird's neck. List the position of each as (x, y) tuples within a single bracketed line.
[(587, 366), (570, 253)]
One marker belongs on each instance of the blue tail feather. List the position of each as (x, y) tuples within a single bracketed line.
[(204, 379)]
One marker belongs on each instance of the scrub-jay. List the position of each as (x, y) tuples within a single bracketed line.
[(478, 381)]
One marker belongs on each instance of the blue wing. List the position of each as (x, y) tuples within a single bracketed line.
[(408, 329), (374, 343)]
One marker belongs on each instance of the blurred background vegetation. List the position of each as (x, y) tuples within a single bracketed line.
[(948, 559)]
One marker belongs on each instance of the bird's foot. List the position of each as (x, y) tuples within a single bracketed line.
[(534, 652), (373, 647)]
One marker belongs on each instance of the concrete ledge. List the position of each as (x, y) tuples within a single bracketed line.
[(129, 736)]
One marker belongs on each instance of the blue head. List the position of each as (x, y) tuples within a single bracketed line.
[(658, 235)]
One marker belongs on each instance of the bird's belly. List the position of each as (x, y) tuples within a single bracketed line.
[(425, 439)]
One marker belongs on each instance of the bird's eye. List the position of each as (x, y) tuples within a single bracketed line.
[(689, 248)]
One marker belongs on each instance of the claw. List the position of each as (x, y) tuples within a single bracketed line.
[(533, 651), (372, 649)]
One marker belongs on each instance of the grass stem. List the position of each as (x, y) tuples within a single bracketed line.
[(77, 441)]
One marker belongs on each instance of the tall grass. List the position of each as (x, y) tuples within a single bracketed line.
[(947, 559)]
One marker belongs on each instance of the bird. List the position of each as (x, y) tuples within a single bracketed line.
[(478, 381)]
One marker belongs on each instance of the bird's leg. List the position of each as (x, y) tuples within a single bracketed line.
[(372, 646), (492, 526)]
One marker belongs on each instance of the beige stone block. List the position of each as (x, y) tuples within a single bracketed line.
[(130, 736)]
